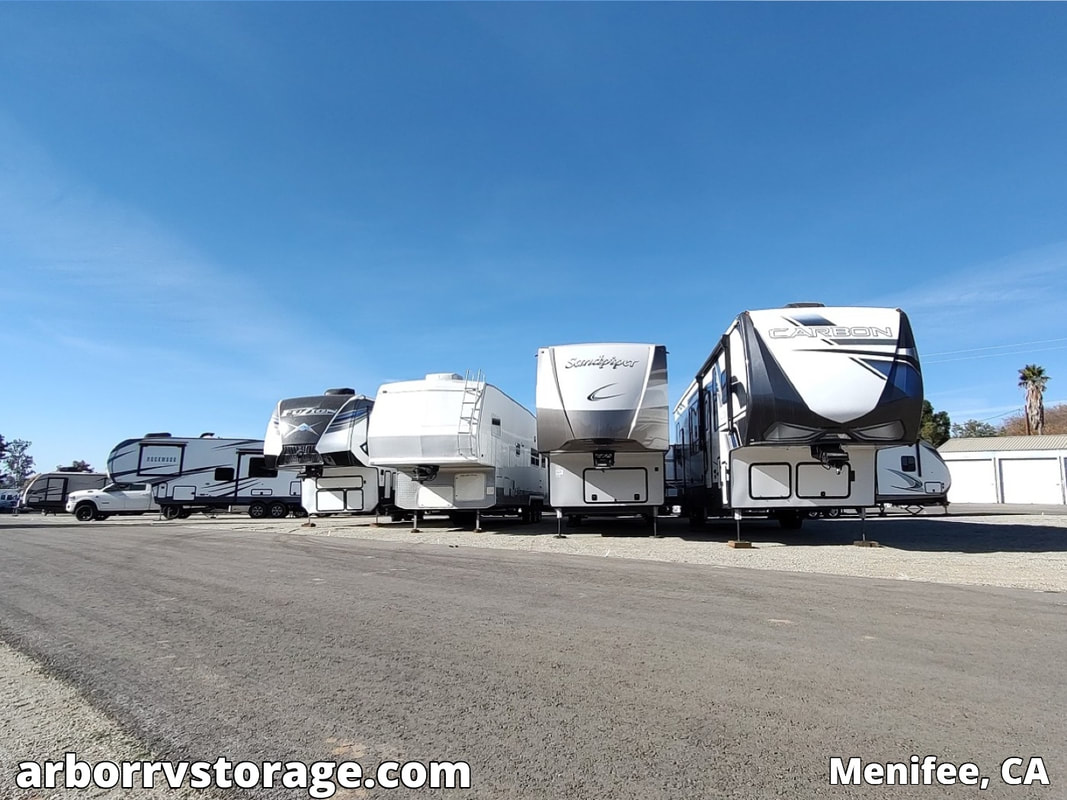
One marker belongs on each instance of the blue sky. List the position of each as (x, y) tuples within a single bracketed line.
[(205, 208)]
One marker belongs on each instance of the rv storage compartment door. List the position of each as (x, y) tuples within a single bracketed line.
[(619, 485), (769, 481), (340, 494), (814, 481), (470, 487)]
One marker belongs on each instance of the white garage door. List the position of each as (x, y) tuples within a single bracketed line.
[(972, 482), (1031, 480)]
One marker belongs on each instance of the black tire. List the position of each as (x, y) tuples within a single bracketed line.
[(526, 515), (257, 510), (832, 513), (790, 520), (85, 512), (185, 513), (277, 510), (171, 512), (574, 520), (298, 511)]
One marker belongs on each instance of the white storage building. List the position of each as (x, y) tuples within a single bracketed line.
[(1007, 469)]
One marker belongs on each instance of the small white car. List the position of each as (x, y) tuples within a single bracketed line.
[(121, 499)]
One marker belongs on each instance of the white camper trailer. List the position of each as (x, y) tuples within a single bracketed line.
[(788, 412), (911, 476), (324, 440), (603, 421), (459, 445), (205, 473), (48, 491)]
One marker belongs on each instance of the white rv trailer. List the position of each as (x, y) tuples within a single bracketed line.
[(911, 476), (205, 473), (789, 410), (459, 445), (603, 420), (48, 491), (324, 439)]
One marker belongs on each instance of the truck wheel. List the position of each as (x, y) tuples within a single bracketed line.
[(171, 512), (85, 512), (278, 510), (257, 510)]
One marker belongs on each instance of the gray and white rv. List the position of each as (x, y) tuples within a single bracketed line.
[(324, 440), (788, 412), (459, 445), (205, 473), (48, 491), (603, 421)]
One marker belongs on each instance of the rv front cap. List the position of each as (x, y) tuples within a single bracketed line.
[(600, 362)]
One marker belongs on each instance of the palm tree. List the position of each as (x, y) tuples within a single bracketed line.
[(1034, 379)]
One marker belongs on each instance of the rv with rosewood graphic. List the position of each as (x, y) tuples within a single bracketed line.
[(205, 473), (788, 413), (323, 440)]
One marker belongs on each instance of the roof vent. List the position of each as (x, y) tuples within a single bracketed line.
[(208, 435), (340, 391), (805, 305), (443, 376), (156, 435)]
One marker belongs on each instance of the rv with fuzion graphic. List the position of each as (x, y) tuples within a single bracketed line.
[(603, 421), (205, 473), (323, 440), (789, 411)]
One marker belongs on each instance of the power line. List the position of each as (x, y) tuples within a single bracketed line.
[(926, 360), (997, 346)]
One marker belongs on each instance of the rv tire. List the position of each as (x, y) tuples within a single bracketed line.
[(790, 520), (526, 515), (185, 513), (832, 512), (171, 512), (278, 510), (257, 510), (85, 512)]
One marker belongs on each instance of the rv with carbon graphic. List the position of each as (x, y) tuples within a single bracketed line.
[(787, 414)]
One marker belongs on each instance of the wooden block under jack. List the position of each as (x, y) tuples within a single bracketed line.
[(737, 543), (866, 543)]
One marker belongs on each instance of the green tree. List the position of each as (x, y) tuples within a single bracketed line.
[(973, 429), (76, 466), (934, 427), (18, 461), (1033, 379)]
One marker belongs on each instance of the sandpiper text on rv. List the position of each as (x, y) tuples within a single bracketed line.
[(600, 362)]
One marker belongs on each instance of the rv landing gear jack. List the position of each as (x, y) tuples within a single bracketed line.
[(738, 543), (655, 525), (863, 541), (415, 522), (559, 524), (477, 521)]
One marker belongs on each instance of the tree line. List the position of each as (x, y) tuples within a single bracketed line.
[(1034, 419), (16, 463)]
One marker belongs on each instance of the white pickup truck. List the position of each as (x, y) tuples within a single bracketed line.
[(120, 499)]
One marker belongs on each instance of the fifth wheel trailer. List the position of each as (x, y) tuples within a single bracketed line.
[(323, 439), (460, 446), (205, 473), (788, 412), (603, 421)]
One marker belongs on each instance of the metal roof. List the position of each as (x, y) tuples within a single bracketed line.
[(1000, 443)]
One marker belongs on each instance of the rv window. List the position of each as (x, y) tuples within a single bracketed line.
[(224, 473), (535, 458), (257, 468), (495, 426), (907, 463)]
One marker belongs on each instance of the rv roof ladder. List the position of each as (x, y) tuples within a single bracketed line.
[(469, 411)]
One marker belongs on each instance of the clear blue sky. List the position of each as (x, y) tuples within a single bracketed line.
[(205, 208)]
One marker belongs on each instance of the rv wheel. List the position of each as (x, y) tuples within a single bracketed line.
[(833, 512), (790, 520), (85, 512), (257, 510), (171, 512), (525, 515), (185, 513), (278, 510)]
